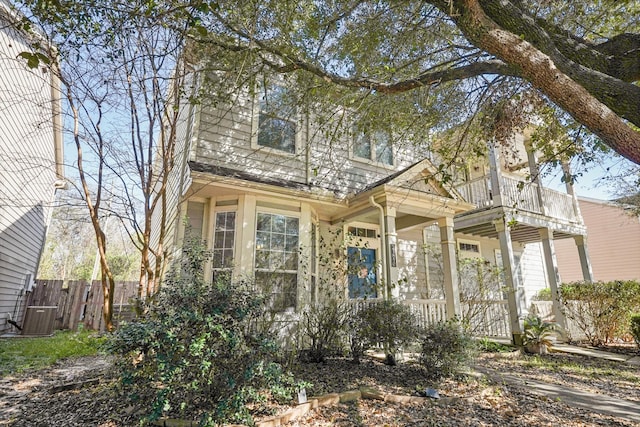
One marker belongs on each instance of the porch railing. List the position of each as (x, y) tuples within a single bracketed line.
[(521, 194), (486, 318)]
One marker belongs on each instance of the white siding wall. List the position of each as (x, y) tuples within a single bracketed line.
[(533, 270), (411, 265), (27, 169)]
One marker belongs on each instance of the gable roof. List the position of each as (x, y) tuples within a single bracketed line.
[(420, 177)]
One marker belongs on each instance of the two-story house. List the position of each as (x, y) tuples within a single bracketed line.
[(358, 215), (31, 164)]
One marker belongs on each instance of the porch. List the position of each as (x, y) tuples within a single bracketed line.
[(487, 318)]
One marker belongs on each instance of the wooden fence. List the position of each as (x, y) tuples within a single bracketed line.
[(80, 302)]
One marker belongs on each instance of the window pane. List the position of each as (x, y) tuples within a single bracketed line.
[(228, 239), (277, 133), (219, 239), (277, 242), (230, 221), (263, 240), (362, 146), (223, 240), (292, 244), (383, 148), (277, 223), (276, 126), (227, 258), (292, 226), (281, 286), (262, 259), (264, 222), (217, 258), (291, 261)]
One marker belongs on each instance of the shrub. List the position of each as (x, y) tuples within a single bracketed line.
[(196, 353), (601, 310), (325, 326), (446, 347), (635, 328), (543, 294), (489, 346), (389, 324)]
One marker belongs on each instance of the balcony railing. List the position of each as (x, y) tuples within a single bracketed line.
[(522, 195)]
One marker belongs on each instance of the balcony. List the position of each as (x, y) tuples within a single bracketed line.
[(521, 195)]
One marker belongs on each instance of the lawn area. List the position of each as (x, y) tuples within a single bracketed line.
[(21, 354)]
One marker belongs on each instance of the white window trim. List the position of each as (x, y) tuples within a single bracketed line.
[(374, 242), (255, 237), (216, 210), (255, 122), (353, 135), (469, 254)]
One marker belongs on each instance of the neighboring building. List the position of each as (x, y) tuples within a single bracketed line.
[(30, 165), (614, 243), (360, 217)]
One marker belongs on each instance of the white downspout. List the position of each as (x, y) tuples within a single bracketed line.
[(383, 249)]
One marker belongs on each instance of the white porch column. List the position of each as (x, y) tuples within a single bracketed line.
[(585, 262), (245, 232), (391, 242), (515, 291), (535, 178), (208, 225), (552, 274), (304, 262), (566, 169), (495, 174), (449, 259)]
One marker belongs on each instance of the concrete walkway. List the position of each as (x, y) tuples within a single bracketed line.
[(589, 352), (600, 403)]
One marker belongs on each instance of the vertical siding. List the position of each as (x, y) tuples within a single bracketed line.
[(534, 272), (613, 239), (411, 265), (27, 169)]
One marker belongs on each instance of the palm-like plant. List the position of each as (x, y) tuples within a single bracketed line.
[(538, 334)]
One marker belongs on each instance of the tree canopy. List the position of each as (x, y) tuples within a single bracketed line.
[(574, 64)]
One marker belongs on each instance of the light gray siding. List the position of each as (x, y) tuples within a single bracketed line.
[(225, 139), (177, 181), (27, 170)]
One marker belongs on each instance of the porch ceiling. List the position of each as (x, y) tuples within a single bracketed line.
[(525, 230)]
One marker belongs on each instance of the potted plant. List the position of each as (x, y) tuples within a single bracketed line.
[(538, 335)]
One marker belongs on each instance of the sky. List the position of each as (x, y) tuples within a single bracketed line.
[(593, 182)]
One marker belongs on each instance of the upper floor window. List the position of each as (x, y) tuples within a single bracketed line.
[(374, 146), (276, 125)]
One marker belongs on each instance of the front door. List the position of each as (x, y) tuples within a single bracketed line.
[(362, 272)]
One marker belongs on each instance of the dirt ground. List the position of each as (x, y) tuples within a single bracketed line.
[(83, 392)]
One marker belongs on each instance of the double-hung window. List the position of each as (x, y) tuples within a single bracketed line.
[(276, 259), (223, 243), (276, 120), (374, 146)]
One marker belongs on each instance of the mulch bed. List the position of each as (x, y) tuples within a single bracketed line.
[(82, 392)]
